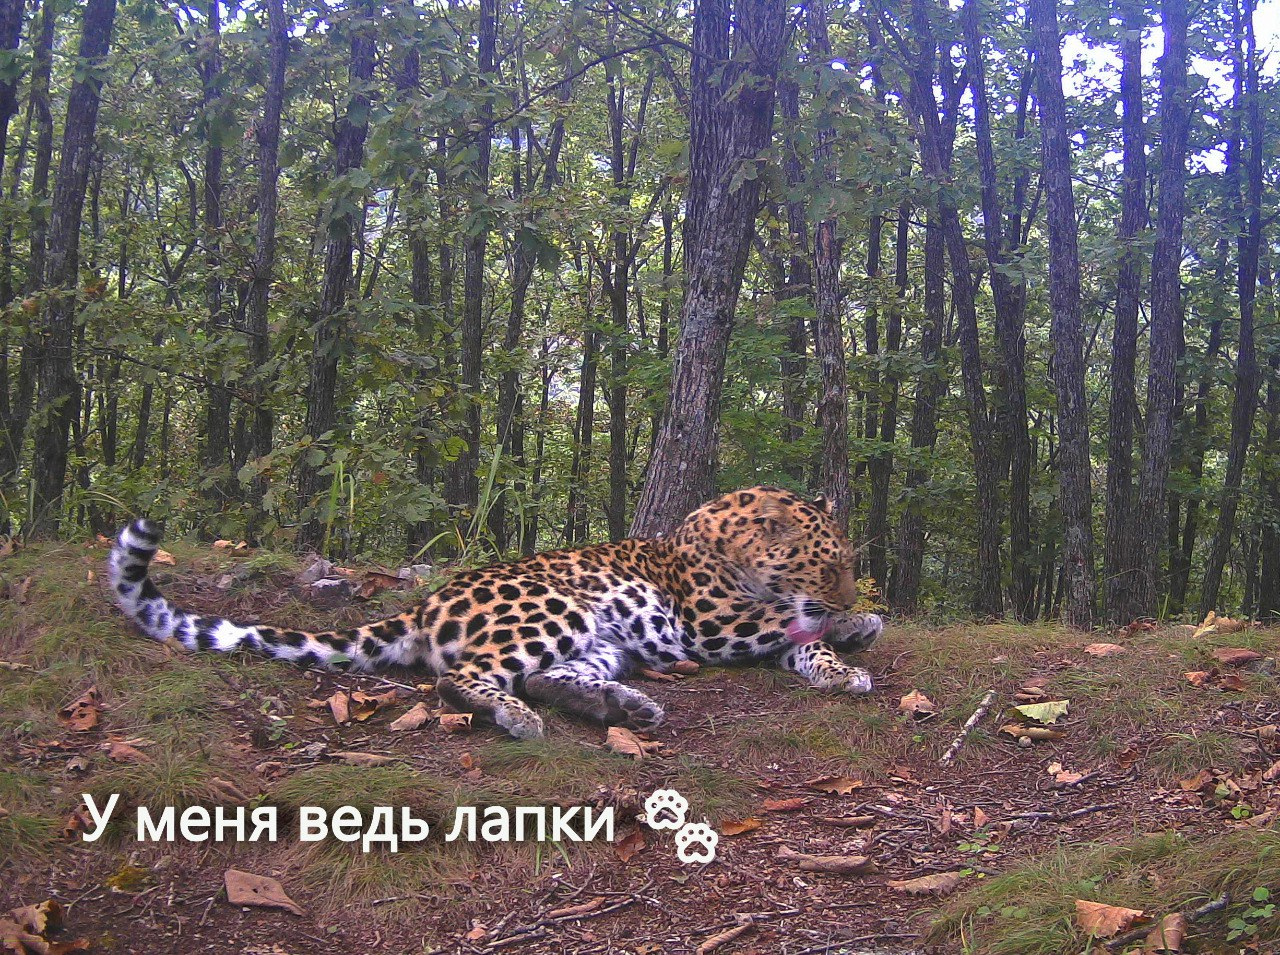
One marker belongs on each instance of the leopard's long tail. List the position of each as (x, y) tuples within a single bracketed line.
[(389, 641)]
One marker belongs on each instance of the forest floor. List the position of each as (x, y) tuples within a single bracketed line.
[(1160, 794)]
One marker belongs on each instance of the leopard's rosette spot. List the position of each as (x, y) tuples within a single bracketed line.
[(665, 809), (696, 843)]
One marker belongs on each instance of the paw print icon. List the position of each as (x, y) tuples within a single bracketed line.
[(696, 843), (665, 809)]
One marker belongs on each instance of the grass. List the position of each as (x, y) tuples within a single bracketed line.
[(1030, 910)]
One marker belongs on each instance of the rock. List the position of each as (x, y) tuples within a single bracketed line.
[(331, 592), (225, 582), (415, 571), (316, 572)]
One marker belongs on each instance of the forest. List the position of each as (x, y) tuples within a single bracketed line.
[(453, 280)]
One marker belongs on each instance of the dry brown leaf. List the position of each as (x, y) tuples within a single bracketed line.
[(658, 675), (1104, 921), (918, 705), (686, 667), (340, 706), (624, 741), (1167, 935), (630, 843), (375, 582), (245, 888), (980, 818), (736, 827), (163, 557), (1236, 656), (1200, 677), (40, 919), (943, 883), (1232, 683), (119, 751), (414, 718), (1197, 782), (7, 547), (467, 761), (582, 908), (721, 939), (364, 705), (223, 544), (836, 865), (364, 759), (1042, 733), (455, 722), (76, 823), (18, 590), (81, 715), (835, 784), (786, 805), (1273, 773), (1105, 649), (478, 931)]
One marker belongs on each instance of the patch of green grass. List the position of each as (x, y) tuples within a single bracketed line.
[(1180, 755), (553, 767), (1030, 910), (186, 689), (712, 791), (25, 829)]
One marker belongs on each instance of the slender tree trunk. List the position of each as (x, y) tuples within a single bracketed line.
[(1269, 582), (59, 387), (257, 325), (797, 287), (1121, 526), (1248, 244), (1068, 337), (330, 327), (727, 133), (577, 521), (1165, 307)]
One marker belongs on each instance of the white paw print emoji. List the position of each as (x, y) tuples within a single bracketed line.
[(665, 809), (696, 842)]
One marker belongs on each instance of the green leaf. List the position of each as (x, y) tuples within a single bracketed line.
[(1046, 713)]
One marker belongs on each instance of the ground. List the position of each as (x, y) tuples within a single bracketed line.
[(1156, 796)]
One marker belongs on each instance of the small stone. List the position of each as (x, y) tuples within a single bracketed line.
[(414, 571), (316, 572), (225, 582), (1024, 742), (331, 592)]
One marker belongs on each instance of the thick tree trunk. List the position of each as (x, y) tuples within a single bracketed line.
[(257, 325), (1166, 313), (797, 284), (59, 387), (1009, 307), (1120, 546), (1068, 337), (904, 587), (1248, 244), (727, 134), (330, 327)]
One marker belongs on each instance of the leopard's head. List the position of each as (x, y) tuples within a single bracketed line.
[(785, 547)]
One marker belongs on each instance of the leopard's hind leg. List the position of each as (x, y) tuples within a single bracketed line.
[(584, 685), (469, 688)]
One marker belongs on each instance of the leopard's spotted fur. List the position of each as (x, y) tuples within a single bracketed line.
[(755, 574)]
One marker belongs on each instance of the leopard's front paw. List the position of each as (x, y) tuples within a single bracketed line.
[(857, 680), (855, 632), (522, 724)]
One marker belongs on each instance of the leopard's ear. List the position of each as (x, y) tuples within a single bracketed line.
[(822, 504)]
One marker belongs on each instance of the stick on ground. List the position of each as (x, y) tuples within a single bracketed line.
[(1217, 905), (973, 721)]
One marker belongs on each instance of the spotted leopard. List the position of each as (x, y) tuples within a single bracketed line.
[(758, 574)]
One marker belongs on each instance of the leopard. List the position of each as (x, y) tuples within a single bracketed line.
[(760, 575)]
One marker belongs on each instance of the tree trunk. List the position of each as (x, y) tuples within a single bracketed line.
[(1165, 308), (330, 326), (257, 326), (727, 134), (1119, 550), (1068, 337), (797, 285), (578, 519), (1269, 582), (1248, 244), (59, 387)]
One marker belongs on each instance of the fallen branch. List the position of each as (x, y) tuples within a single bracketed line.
[(973, 721), (1029, 817), (1217, 905), (838, 865)]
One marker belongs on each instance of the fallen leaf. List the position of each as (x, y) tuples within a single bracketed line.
[(223, 545), (364, 705), (1045, 713), (81, 715), (980, 818), (631, 843), (1273, 773), (917, 704), (1019, 730), (76, 823), (737, 827), (1167, 935), (364, 759), (943, 883), (119, 751), (720, 939), (245, 888), (624, 741), (1195, 783), (478, 931), (18, 590), (658, 675), (1066, 778), (785, 805), (340, 707), (837, 865), (163, 557), (40, 919), (467, 761), (1199, 677), (1105, 649), (1103, 921), (1236, 656), (414, 718), (15, 667), (455, 722), (1232, 683), (582, 908), (835, 784), (375, 582)]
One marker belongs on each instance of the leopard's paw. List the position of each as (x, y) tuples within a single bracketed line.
[(857, 680), (665, 809), (696, 843), (632, 709), (520, 723), (856, 632)]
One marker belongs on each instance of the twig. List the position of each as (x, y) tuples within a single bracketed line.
[(973, 721), (1217, 905), (1064, 816)]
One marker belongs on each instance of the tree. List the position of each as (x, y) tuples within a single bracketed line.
[(726, 136)]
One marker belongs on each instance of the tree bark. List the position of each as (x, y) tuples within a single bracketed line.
[(727, 134), (1119, 549), (330, 327), (1068, 337), (59, 387), (1166, 313)]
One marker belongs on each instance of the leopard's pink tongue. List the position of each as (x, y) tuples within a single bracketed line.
[(799, 634)]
